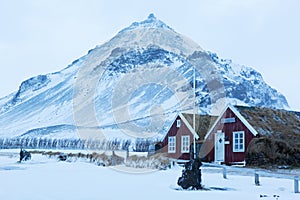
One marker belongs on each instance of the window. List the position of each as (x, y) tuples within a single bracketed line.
[(239, 141), (178, 123), (185, 144), (172, 144)]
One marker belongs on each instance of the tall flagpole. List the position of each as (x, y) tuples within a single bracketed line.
[(194, 112)]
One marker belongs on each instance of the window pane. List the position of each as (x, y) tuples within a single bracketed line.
[(185, 142), (238, 141), (178, 123), (172, 144)]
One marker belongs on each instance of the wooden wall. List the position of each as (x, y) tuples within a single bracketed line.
[(178, 132), (228, 129)]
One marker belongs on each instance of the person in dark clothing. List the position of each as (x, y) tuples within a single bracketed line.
[(24, 155), (191, 175)]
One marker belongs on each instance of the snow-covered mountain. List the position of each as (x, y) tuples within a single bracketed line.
[(132, 86), (246, 85)]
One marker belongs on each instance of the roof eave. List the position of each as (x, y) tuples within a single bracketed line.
[(188, 125)]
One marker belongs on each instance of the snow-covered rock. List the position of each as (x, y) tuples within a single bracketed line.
[(246, 85)]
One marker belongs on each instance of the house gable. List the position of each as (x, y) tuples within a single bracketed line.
[(182, 133), (237, 113)]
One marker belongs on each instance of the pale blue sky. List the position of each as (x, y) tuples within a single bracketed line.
[(42, 36)]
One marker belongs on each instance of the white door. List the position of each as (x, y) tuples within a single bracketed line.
[(219, 147)]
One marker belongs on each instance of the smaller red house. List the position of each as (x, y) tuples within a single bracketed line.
[(178, 142)]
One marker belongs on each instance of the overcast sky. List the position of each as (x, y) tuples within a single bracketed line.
[(43, 36)]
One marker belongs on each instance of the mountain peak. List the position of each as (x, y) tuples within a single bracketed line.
[(151, 16), (150, 22)]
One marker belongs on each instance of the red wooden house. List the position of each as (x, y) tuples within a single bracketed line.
[(225, 139), (178, 142), (229, 137)]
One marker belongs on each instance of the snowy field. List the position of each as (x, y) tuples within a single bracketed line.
[(46, 179)]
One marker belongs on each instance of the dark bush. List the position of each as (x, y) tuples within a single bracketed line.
[(265, 152), (191, 175), (24, 155), (62, 157)]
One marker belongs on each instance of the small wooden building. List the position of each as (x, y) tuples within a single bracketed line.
[(178, 142), (226, 138)]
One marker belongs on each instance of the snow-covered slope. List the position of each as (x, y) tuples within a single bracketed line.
[(131, 86)]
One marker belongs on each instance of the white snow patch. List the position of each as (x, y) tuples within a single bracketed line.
[(43, 178)]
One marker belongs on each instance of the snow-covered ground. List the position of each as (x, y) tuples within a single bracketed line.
[(44, 178)]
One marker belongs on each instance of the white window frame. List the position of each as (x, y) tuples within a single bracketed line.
[(172, 144), (238, 143), (185, 144), (178, 123)]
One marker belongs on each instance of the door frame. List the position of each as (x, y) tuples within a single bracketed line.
[(219, 135)]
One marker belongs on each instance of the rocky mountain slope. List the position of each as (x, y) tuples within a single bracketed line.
[(132, 86)]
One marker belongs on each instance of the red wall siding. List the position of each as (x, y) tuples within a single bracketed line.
[(228, 129), (178, 132)]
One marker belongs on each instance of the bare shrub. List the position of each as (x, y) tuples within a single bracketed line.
[(157, 161)]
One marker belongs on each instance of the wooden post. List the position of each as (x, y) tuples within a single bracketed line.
[(224, 172), (113, 161), (127, 154), (256, 179), (296, 184)]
